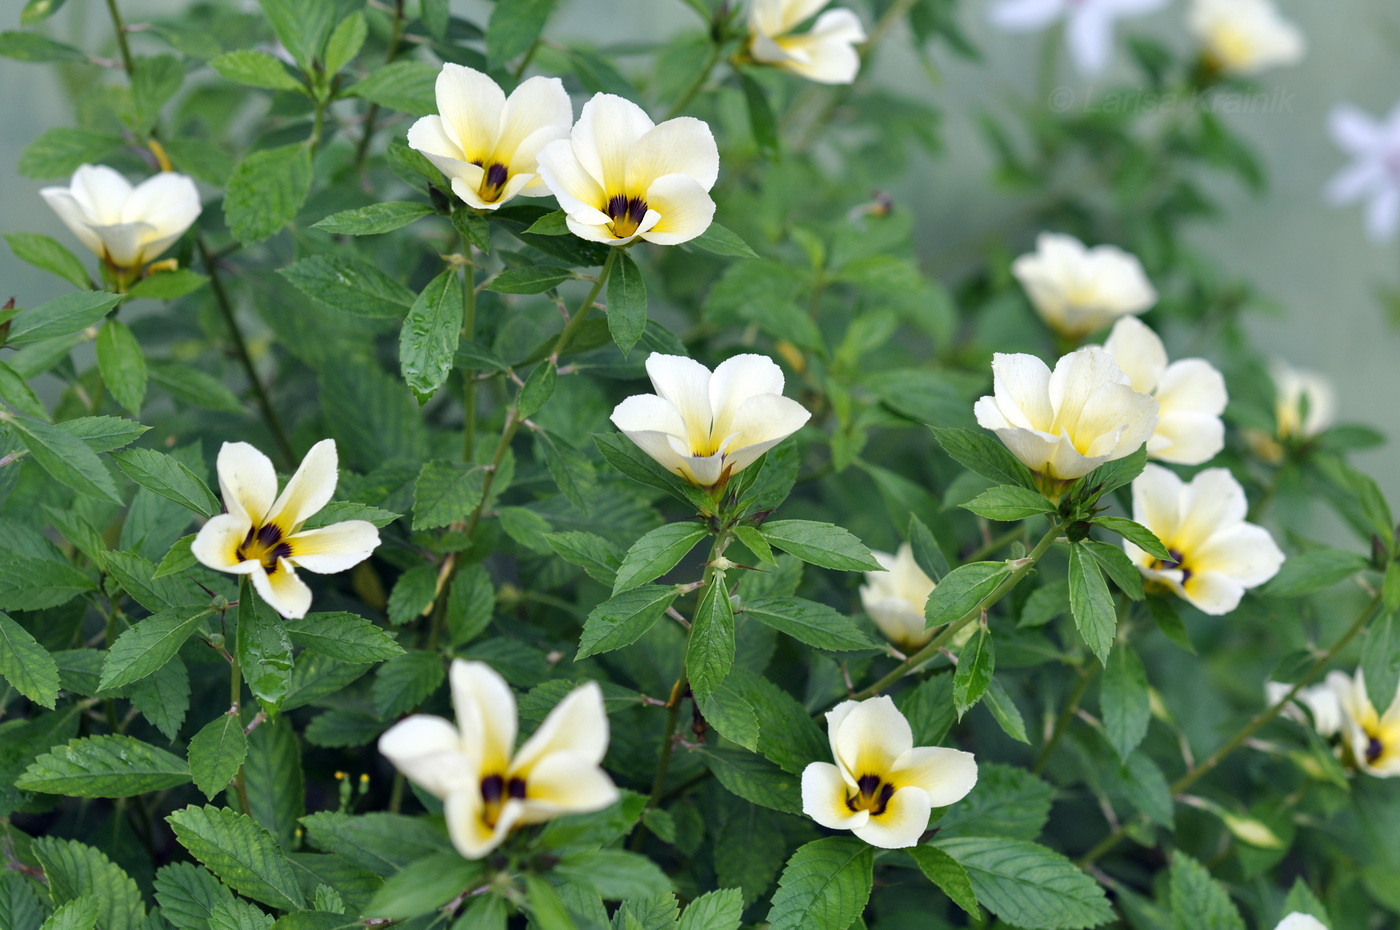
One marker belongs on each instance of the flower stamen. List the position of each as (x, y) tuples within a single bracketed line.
[(626, 214), (263, 544), (874, 795), (493, 180)]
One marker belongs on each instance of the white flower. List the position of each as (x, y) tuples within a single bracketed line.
[(825, 54), (1296, 390), (487, 143), (126, 226), (707, 427), (1066, 423), (1371, 739), (1374, 174), (882, 787), (486, 785), (1216, 555), (1089, 24), (260, 533), (1320, 700), (1190, 394), (1079, 290), (619, 176), (1246, 36), (895, 598), (1300, 921)]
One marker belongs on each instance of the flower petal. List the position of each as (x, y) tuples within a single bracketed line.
[(539, 103), (1025, 15), (167, 201), (824, 794), (471, 105), (486, 715), (1211, 503), (1213, 593), (62, 202), (334, 548), (828, 53), (1187, 438), (124, 244), (101, 193), (1090, 38), (1243, 551), (945, 775), (685, 384), (247, 481), (428, 751), (871, 736), (309, 490), (1157, 501), (578, 726), (216, 544), (283, 591), (760, 424), (905, 819), (1383, 216), (608, 128), (580, 195), (1355, 130), (683, 145), (1139, 353), (565, 783), (1021, 391), (429, 136), (683, 210), (468, 829), (738, 378)]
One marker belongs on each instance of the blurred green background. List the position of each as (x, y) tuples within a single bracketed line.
[(1314, 261)]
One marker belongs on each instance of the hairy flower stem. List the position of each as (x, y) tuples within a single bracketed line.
[(1266, 716), (269, 415), (120, 29), (469, 332), (235, 687), (937, 643)]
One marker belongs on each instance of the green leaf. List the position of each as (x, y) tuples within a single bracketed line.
[(1113, 475), (709, 650), (1090, 603), (824, 886), (340, 511), (195, 387), (1008, 801), (1314, 571), (535, 279), (36, 11), (755, 542), (216, 754), (1007, 714), (349, 285), (538, 389), (78, 914), (145, 647), (168, 477), (104, 767), (344, 637), (264, 651), (1030, 886), (985, 455), (762, 123), (301, 26), (823, 544), (425, 885), (471, 601), (1301, 900), (49, 255), (732, 715), (623, 455), (815, 624), (551, 224), (239, 851), (187, 894), (514, 28), (36, 584), (15, 392), (546, 907), (1380, 660), (1198, 900), (406, 86), (19, 907), (374, 219), (976, 664), (657, 553), (58, 152), (750, 777), (403, 682), (929, 709), (26, 665), (168, 285), (256, 69), (266, 190), (430, 333), (590, 552), (719, 240), (345, 41), (75, 870), (950, 877), (446, 492), (413, 594), (1123, 699), (70, 313), (614, 873), (623, 620), (627, 302), (1007, 503), (722, 909), (1120, 568), (1136, 534), (962, 589), (66, 458), (381, 843), (30, 46)]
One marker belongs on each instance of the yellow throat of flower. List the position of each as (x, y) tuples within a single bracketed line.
[(263, 544), (493, 178), (873, 795), (626, 214), (495, 791)]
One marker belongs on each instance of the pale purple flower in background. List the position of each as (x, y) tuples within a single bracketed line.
[(1088, 24), (1374, 174)]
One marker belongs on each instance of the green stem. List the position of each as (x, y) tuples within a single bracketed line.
[(469, 331), (575, 321), (372, 114), (1256, 723), (235, 689), (1023, 568), (127, 61), (997, 543), (1081, 687), (893, 15), (679, 106), (269, 415)]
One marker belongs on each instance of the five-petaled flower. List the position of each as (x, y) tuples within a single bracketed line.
[(1370, 739), (1245, 36), (1374, 174), (1215, 555), (1190, 394), (1064, 424), (707, 427), (882, 787), (487, 143), (260, 534), (895, 598), (619, 176), (486, 785), (126, 226), (826, 54), (1078, 290), (1088, 24)]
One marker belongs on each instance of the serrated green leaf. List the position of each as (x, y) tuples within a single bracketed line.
[(266, 190), (950, 877), (514, 28), (430, 333), (823, 544), (75, 870), (1004, 710), (58, 152), (1116, 563), (61, 316), (623, 455), (381, 843), (168, 477), (425, 885), (49, 255), (538, 389), (301, 26), (962, 589), (709, 651), (239, 851), (614, 873), (732, 715), (412, 595), (374, 219), (264, 650), (1198, 900), (168, 285), (1314, 571), (30, 46), (350, 286), (627, 302), (1090, 603), (657, 553), (622, 620), (825, 884), (66, 458), (149, 644), (216, 754), (26, 665), (403, 682), (103, 434), (762, 123), (534, 279), (471, 602), (195, 387), (36, 584), (984, 455), (1123, 700), (976, 664), (1028, 885), (720, 240), (345, 41), (1380, 660), (1008, 503), (256, 69), (187, 894), (78, 914), (590, 552), (406, 86), (755, 780), (815, 624), (15, 392), (104, 767), (345, 637), (1136, 534), (446, 492), (1007, 801)]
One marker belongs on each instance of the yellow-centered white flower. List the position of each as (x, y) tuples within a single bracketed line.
[(1245, 36), (1064, 424), (260, 533), (826, 53), (619, 176), (126, 226), (1190, 394), (882, 787), (1320, 701), (1305, 403), (895, 598), (1215, 555), (1369, 738), (1078, 290), (1088, 24), (487, 143), (488, 787), (708, 426), (1300, 921)]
